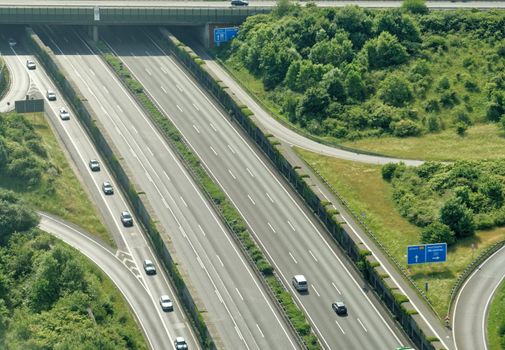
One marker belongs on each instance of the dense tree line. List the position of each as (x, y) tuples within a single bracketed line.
[(352, 72), (449, 201), (50, 297)]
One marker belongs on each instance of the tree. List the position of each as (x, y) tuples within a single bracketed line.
[(356, 22), (458, 217), (354, 85), (332, 82), (405, 128), (415, 6), (395, 90), (335, 51), (304, 74), (437, 232), (388, 170), (314, 103), (496, 107), (492, 188), (283, 8), (385, 51), (15, 217), (45, 289), (400, 25)]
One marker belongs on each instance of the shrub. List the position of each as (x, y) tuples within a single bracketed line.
[(415, 6), (437, 232), (404, 128), (458, 217), (396, 90), (388, 171)]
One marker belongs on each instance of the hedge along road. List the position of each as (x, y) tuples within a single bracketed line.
[(161, 328), (234, 302)]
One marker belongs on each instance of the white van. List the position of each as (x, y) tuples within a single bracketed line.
[(300, 283)]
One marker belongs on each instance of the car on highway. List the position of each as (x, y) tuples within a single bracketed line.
[(339, 308), (51, 96), (64, 115), (107, 188), (30, 64), (12, 42), (300, 283), (126, 219), (239, 2), (94, 165), (149, 267), (180, 343), (166, 303)]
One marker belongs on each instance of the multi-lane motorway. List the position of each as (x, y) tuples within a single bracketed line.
[(236, 304)]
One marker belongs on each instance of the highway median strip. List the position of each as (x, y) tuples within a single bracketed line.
[(222, 204)]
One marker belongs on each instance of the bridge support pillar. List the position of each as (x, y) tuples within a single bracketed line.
[(93, 33), (203, 35)]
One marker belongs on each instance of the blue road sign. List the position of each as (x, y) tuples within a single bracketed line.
[(222, 35), (436, 252), (416, 254)]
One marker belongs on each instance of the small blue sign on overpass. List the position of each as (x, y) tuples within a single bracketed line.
[(222, 35), (426, 253)]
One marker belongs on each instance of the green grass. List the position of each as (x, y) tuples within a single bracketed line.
[(366, 193), (483, 141), (69, 200), (496, 319)]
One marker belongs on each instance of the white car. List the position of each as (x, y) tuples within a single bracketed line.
[(30, 64), (12, 42), (166, 303), (64, 115), (180, 343), (51, 96)]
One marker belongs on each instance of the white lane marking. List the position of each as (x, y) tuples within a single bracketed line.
[(183, 232), (201, 229), (105, 88), (271, 227), (259, 329), (240, 295), (213, 150), (196, 128), (196, 107), (149, 150), (338, 324), (335, 286), (201, 264), (315, 290), (231, 149), (239, 333), (291, 225), (250, 198), (92, 72), (133, 152), (164, 202), (220, 261), (250, 172), (163, 70), (234, 178), (148, 72), (162, 88), (179, 108), (292, 257), (219, 296), (119, 107), (184, 202), (149, 177), (362, 325), (117, 130), (213, 127), (179, 87), (166, 175), (271, 200), (313, 255), (134, 129)]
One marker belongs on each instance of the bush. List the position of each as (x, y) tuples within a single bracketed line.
[(388, 171), (415, 6), (437, 233), (405, 128), (458, 217), (396, 90)]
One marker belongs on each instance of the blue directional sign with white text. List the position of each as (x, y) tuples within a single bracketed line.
[(222, 35), (416, 254), (436, 252)]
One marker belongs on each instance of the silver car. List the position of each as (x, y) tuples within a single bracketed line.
[(30, 64), (166, 303), (51, 96), (64, 115)]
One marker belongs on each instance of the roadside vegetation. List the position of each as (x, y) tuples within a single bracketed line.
[(4, 77), (496, 320), (51, 297), (364, 190), (351, 74), (33, 165)]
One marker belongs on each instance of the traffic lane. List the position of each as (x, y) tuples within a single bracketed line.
[(186, 132), (471, 306), (133, 291), (19, 79)]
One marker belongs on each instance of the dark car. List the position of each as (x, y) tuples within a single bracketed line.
[(149, 267), (126, 218), (107, 188), (339, 307), (94, 165), (239, 2)]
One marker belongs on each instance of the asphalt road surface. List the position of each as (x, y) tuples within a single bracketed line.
[(471, 307), (286, 231), (235, 302)]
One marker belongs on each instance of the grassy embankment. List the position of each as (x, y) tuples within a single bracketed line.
[(496, 320)]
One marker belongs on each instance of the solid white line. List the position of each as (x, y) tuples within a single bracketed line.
[(239, 333), (119, 107), (179, 108), (271, 200), (362, 325), (150, 152), (162, 88), (201, 229), (220, 261), (315, 290), (183, 231), (292, 257), (164, 202), (291, 225), (184, 202), (149, 177), (134, 129), (196, 107), (231, 149), (250, 172), (240, 295), (213, 127), (234, 178), (201, 263), (194, 126), (251, 199), (259, 329), (338, 324), (166, 175), (219, 297), (338, 290), (313, 255), (213, 150), (271, 227)]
